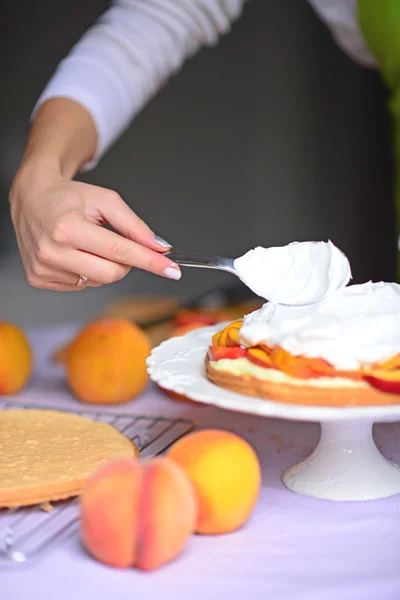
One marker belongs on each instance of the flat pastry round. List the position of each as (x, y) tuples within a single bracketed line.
[(48, 455), (248, 385)]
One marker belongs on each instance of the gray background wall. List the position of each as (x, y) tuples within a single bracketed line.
[(273, 136)]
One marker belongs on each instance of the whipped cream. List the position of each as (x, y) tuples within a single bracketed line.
[(297, 274), (355, 326)]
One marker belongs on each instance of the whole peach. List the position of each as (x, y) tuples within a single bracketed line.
[(135, 514), (106, 363), (226, 474), (16, 358)]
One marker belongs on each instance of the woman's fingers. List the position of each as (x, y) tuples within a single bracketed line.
[(116, 250), (58, 286), (95, 268), (59, 233), (58, 279), (124, 220)]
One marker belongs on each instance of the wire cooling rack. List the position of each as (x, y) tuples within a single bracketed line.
[(28, 534)]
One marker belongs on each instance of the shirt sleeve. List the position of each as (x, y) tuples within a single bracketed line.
[(341, 16), (130, 53)]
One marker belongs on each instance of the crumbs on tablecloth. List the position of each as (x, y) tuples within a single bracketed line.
[(46, 507)]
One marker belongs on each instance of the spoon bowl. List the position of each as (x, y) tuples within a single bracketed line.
[(211, 261)]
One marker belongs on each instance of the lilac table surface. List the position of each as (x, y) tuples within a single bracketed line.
[(293, 547)]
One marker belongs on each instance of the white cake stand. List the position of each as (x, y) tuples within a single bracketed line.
[(345, 465)]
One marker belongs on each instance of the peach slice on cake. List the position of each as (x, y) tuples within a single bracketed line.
[(223, 338), (219, 352), (303, 367), (298, 366), (261, 358), (233, 337), (391, 364), (322, 368), (215, 338), (385, 381)]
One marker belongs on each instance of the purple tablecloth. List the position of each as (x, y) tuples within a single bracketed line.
[(292, 548)]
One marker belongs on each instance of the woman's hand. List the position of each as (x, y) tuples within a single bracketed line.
[(60, 233)]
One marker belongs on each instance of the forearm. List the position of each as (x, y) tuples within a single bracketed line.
[(63, 137), (130, 53), (58, 221)]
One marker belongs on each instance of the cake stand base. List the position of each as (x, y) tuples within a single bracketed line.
[(345, 465)]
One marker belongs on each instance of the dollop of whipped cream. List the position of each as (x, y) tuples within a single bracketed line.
[(355, 326), (297, 274)]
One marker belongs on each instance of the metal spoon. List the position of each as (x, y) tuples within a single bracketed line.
[(203, 261)]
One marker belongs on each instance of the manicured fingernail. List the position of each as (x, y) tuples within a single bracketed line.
[(173, 272), (159, 240)]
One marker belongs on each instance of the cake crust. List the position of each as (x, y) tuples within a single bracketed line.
[(300, 394), (48, 455)]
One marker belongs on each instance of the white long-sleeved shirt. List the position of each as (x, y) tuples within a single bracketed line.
[(137, 45)]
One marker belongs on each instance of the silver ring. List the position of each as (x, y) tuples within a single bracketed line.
[(81, 281)]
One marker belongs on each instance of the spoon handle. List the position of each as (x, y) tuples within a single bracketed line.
[(202, 261)]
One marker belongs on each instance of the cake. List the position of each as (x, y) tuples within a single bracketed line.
[(48, 455), (320, 341)]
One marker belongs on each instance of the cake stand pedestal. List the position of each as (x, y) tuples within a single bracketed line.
[(345, 465)]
